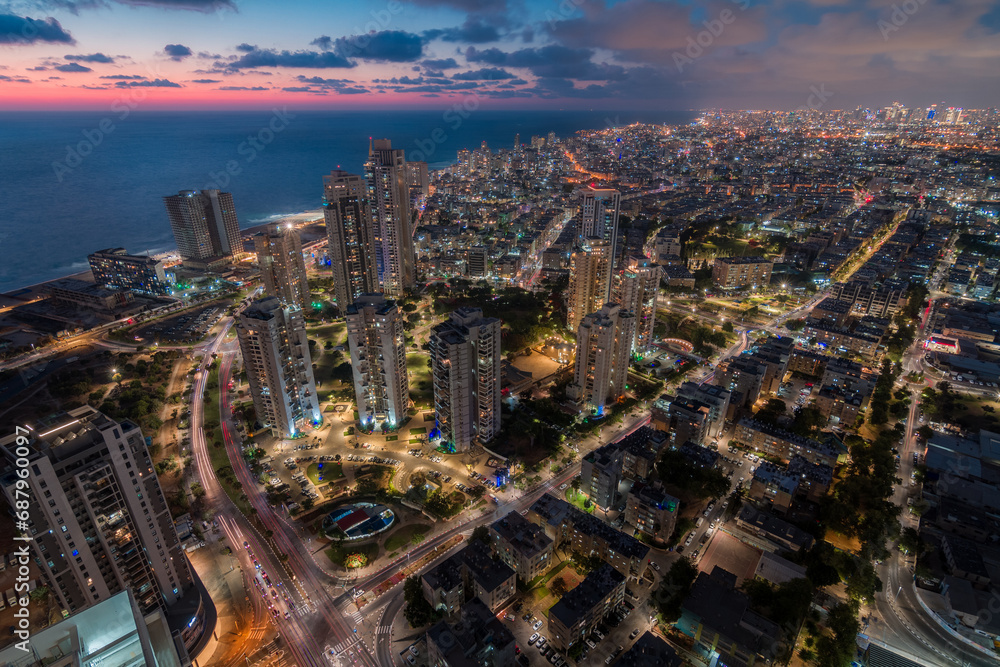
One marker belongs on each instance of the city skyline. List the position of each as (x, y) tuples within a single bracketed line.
[(431, 53)]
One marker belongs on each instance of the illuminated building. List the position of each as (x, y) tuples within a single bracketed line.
[(377, 341), (635, 287), (465, 352), (279, 369), (116, 269), (351, 242), (99, 521), (589, 280), (204, 224), (279, 255), (603, 345), (389, 201)]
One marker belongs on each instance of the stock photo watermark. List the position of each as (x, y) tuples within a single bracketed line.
[(250, 148), (22, 501), (698, 44), (900, 14), (454, 116)]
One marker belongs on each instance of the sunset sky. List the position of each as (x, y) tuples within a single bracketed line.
[(644, 54)]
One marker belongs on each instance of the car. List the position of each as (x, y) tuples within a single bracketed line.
[(656, 566), (413, 650), (537, 625), (591, 643), (562, 487), (532, 639), (634, 634), (411, 660), (607, 660)]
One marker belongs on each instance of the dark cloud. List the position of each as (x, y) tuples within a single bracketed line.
[(90, 58), (155, 83), (297, 59), (389, 46), (485, 74), (73, 67), (297, 89), (38, 69), (205, 81), (124, 77), (553, 61), (246, 48), (441, 63), (243, 88), (23, 30), (473, 31), (324, 42), (15, 79), (177, 51)]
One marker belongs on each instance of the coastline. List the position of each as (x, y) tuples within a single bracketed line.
[(34, 291)]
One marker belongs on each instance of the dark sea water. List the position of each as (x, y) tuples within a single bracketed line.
[(73, 183)]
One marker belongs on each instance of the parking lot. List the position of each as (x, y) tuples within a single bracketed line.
[(188, 327)]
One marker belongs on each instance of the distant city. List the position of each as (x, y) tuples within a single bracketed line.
[(717, 393)]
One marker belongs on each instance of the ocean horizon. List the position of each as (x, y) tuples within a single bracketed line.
[(72, 183)]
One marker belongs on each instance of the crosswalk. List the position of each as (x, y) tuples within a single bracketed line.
[(383, 630), (344, 645)]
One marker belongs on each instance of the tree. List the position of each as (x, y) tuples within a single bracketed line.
[(480, 533), (417, 610), (674, 588), (576, 483), (772, 412), (557, 587), (910, 542)]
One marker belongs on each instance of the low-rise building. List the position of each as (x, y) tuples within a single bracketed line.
[(769, 533), (577, 531), (733, 272), (725, 630), (89, 296), (774, 487), (522, 545), (651, 511), (579, 611), (782, 444), (649, 651), (472, 572), (475, 639)]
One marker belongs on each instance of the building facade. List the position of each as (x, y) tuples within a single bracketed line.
[(465, 352), (377, 342), (734, 272), (279, 368), (597, 215), (603, 347), (100, 524), (589, 280), (389, 201), (282, 269), (579, 611), (116, 269), (636, 285), (350, 237), (522, 545), (204, 224)]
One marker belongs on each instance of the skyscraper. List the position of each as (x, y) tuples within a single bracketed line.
[(589, 280), (389, 200), (465, 351), (419, 183), (635, 288), (99, 521), (279, 368), (279, 255), (351, 237), (204, 224), (603, 343), (597, 215), (476, 258), (377, 341)]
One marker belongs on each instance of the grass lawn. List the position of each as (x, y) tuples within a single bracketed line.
[(415, 440), (421, 388), (404, 535), (331, 472), (336, 333), (429, 416), (338, 553), (540, 593), (390, 438), (330, 408), (578, 498)]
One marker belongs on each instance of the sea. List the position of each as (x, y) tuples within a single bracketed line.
[(72, 183)]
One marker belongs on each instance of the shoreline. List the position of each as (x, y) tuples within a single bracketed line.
[(31, 292)]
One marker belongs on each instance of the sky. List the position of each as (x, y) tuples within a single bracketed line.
[(515, 54)]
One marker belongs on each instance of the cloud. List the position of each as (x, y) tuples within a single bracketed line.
[(553, 61), (324, 42), (90, 58), (205, 81), (243, 88), (485, 74), (124, 77), (23, 30), (492, 56), (297, 89), (473, 31), (155, 83), (469, 6), (394, 46), (440, 63), (246, 48), (16, 79), (177, 52), (73, 67), (205, 6), (296, 59)]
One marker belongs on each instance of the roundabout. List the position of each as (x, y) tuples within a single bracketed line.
[(358, 520)]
